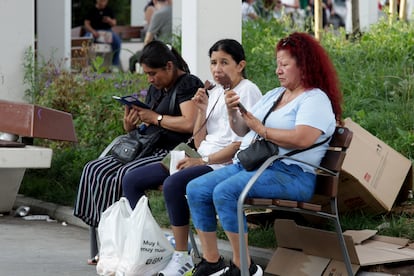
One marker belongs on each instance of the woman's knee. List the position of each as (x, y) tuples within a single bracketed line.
[(169, 189), (191, 189), (129, 181)]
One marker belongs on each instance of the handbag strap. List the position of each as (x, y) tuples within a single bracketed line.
[(204, 123), (173, 98), (273, 107), (290, 153), (268, 113)]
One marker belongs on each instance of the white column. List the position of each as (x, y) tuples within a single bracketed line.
[(17, 31), (410, 9), (137, 12), (177, 16), (203, 23), (368, 14), (54, 31)]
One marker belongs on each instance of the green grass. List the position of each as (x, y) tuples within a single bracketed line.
[(376, 72)]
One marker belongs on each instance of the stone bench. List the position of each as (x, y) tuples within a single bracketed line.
[(27, 121), (13, 163)]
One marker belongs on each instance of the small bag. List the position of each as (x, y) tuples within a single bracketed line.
[(125, 149), (256, 153), (189, 151), (135, 145)]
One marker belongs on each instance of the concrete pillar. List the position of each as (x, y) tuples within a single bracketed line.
[(366, 15), (203, 23), (54, 31), (137, 12), (177, 17), (17, 31)]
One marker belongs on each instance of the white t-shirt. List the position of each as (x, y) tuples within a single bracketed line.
[(312, 108), (219, 132)]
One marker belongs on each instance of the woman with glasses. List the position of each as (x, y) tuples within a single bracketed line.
[(302, 112)]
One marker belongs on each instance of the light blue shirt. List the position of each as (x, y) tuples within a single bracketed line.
[(312, 108)]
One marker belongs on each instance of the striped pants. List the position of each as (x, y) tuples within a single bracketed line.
[(100, 185)]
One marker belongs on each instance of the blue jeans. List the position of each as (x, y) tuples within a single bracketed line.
[(218, 192)]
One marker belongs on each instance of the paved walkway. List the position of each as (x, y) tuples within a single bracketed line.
[(41, 248)]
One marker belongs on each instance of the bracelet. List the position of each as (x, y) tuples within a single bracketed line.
[(265, 133)]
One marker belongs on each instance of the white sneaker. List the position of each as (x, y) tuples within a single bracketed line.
[(179, 265)]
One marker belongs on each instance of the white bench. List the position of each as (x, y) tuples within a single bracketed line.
[(28, 120), (13, 164)]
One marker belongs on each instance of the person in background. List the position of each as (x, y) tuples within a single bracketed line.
[(148, 11), (248, 12), (102, 18), (160, 28), (100, 183), (302, 112), (214, 140)]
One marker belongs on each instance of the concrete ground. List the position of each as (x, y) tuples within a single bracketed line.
[(41, 248), (61, 246)]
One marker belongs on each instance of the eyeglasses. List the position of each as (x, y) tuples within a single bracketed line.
[(286, 41)]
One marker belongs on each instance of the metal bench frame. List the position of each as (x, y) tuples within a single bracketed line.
[(327, 185)]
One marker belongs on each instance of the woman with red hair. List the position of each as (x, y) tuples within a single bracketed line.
[(301, 114)]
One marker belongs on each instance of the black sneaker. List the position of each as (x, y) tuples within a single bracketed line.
[(205, 268), (254, 270)]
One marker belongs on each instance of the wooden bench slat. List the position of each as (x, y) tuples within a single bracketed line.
[(310, 206)]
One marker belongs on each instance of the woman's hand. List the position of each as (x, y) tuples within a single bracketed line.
[(238, 125), (253, 123), (146, 115), (201, 99), (188, 162), (131, 118), (232, 100)]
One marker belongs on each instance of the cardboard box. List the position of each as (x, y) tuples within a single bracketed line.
[(35, 121), (304, 251), (374, 175)]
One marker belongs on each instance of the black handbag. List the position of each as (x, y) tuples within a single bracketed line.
[(135, 145), (256, 153)]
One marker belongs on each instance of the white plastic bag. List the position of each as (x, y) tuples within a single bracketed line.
[(112, 230), (146, 250)]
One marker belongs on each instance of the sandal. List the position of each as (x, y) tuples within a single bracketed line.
[(93, 261)]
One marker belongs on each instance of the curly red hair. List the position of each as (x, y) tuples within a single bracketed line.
[(317, 68)]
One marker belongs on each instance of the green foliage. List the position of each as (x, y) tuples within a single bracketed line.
[(259, 41)]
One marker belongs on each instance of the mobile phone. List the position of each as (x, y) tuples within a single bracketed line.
[(130, 100), (242, 108)]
